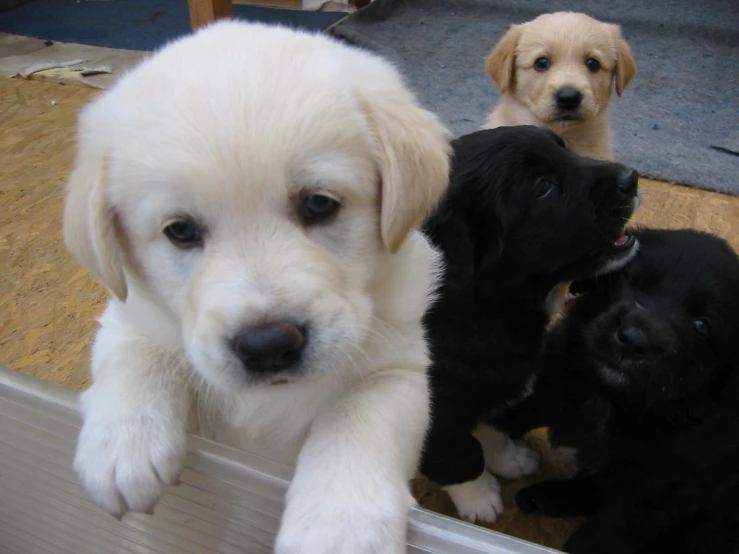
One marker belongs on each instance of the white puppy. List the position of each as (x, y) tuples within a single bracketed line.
[(250, 196)]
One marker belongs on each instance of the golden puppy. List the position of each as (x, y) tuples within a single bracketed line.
[(558, 71)]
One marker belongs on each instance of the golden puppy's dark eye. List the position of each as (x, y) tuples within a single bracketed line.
[(593, 65), (184, 233), (318, 208), (542, 64)]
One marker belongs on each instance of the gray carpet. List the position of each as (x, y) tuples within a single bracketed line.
[(679, 119)]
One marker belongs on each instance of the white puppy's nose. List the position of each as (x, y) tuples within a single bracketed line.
[(269, 347)]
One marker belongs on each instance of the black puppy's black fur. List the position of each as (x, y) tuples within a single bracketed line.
[(522, 213), (642, 379)]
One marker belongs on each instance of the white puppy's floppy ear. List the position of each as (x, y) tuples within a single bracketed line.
[(414, 152), (625, 62), (89, 222), (501, 63)]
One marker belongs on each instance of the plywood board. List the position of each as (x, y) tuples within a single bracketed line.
[(49, 304), (18, 54)]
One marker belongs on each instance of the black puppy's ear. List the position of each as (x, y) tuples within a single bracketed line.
[(468, 246), (451, 235), (474, 206), (490, 245)]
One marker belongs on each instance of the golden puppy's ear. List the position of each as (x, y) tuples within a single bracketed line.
[(625, 62), (89, 222), (501, 63), (414, 152)]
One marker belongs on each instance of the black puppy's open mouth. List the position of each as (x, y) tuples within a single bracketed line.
[(625, 242), (614, 377), (622, 250)]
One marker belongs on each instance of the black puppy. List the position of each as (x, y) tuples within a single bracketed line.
[(522, 213), (641, 378)]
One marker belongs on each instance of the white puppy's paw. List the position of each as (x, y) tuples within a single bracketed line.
[(125, 464), (348, 525), (513, 461), (477, 500)]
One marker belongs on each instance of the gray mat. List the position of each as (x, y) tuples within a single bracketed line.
[(679, 119)]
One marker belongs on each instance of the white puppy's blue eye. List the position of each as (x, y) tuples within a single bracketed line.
[(542, 64), (701, 327), (318, 208), (184, 233)]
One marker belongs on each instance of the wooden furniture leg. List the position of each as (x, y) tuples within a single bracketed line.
[(203, 12)]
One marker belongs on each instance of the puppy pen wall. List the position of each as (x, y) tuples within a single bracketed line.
[(228, 501)]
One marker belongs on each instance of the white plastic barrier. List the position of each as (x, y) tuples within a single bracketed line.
[(228, 501)]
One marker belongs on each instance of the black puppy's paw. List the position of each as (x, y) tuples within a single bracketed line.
[(530, 499), (567, 497)]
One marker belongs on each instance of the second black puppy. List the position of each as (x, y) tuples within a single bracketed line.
[(522, 214), (641, 378)]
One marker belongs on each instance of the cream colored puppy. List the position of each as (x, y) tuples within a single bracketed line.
[(250, 196), (558, 71)]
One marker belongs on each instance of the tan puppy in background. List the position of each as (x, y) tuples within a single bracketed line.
[(558, 71)]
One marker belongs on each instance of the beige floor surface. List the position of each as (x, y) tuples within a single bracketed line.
[(48, 304)]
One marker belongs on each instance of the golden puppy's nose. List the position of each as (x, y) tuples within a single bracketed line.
[(568, 98)]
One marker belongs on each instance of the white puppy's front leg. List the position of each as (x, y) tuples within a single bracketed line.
[(351, 492), (133, 438)]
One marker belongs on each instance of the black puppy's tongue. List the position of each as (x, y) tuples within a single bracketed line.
[(624, 240)]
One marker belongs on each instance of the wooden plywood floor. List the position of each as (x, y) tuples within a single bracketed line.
[(48, 305)]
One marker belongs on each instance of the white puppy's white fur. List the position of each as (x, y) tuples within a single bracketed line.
[(230, 128)]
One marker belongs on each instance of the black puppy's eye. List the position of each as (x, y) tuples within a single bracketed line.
[(543, 187), (541, 64), (317, 208), (701, 327), (593, 65), (184, 233)]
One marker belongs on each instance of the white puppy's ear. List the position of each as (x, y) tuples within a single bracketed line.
[(625, 62), (501, 63), (414, 152), (89, 222)]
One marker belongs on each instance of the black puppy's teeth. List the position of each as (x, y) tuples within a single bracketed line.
[(624, 241)]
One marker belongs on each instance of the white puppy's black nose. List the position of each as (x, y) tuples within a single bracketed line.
[(628, 181), (568, 98), (269, 347)]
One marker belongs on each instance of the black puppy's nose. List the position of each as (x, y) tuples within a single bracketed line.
[(269, 347), (628, 181), (633, 339), (568, 98)]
